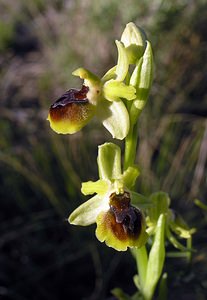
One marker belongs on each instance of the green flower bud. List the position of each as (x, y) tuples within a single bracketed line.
[(134, 41)]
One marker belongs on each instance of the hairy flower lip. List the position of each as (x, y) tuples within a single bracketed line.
[(129, 217), (72, 96)]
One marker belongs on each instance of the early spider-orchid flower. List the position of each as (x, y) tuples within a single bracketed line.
[(104, 97), (119, 224), (97, 97)]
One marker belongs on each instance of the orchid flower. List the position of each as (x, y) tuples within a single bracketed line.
[(119, 224), (104, 97)]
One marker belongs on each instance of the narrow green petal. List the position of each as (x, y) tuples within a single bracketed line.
[(130, 175), (122, 64), (145, 78), (99, 187), (87, 212), (86, 74), (109, 161), (111, 74), (115, 118), (113, 90)]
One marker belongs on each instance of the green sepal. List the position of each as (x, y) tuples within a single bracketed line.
[(109, 161), (110, 113), (87, 212), (129, 176), (178, 225), (140, 201), (99, 187), (135, 77), (123, 63), (175, 242), (156, 259), (134, 40), (113, 90), (160, 204), (145, 78)]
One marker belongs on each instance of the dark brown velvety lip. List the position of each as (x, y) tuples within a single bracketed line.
[(124, 220), (73, 105), (72, 96)]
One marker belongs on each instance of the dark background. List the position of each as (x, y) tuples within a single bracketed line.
[(41, 43)]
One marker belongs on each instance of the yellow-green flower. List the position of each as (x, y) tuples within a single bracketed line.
[(100, 97), (119, 224), (104, 97)]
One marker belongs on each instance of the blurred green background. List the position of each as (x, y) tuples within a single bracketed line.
[(41, 43)]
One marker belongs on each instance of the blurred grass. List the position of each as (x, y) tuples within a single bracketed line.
[(41, 43)]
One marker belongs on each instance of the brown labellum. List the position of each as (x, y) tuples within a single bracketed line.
[(124, 220), (72, 105)]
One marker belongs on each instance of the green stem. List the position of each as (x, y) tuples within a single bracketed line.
[(129, 160), (130, 147)]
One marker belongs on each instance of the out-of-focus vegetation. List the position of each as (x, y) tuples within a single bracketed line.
[(41, 43)]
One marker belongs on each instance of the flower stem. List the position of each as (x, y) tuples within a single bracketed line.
[(130, 147), (129, 160)]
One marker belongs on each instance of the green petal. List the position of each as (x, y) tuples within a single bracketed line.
[(109, 161), (129, 176), (111, 74), (100, 187), (122, 64), (86, 75), (145, 78), (115, 118), (113, 90), (134, 40), (87, 212)]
